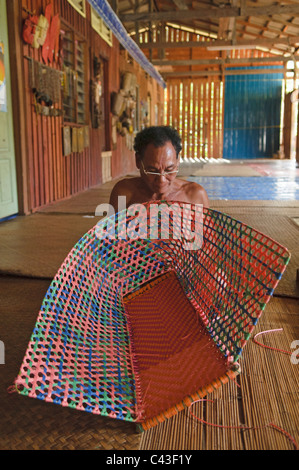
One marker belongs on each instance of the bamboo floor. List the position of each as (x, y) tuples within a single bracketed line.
[(264, 395), (265, 392)]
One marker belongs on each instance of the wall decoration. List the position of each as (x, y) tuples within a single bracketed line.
[(127, 80), (41, 31), (46, 44), (96, 89), (123, 106), (74, 139), (67, 148), (117, 103), (45, 83), (114, 132), (29, 29), (80, 139), (86, 136), (144, 113)]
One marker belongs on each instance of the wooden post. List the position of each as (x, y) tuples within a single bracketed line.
[(14, 12)]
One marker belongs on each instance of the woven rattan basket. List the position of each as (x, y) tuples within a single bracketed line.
[(137, 325)]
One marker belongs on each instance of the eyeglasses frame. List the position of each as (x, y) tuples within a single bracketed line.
[(164, 173)]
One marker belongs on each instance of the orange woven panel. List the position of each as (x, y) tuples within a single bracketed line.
[(171, 348)]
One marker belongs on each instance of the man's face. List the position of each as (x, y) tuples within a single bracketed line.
[(161, 160)]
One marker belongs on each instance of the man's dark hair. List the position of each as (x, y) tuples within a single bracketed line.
[(157, 135)]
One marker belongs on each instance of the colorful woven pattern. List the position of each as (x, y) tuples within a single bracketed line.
[(134, 327)]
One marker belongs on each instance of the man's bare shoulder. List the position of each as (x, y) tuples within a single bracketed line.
[(195, 193), (124, 187), (126, 183)]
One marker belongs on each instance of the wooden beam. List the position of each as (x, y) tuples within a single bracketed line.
[(205, 73), (180, 4), (150, 9), (234, 12), (137, 25), (289, 41), (227, 26), (192, 73), (252, 71), (250, 60), (114, 5)]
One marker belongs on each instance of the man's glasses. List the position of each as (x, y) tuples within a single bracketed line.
[(164, 173)]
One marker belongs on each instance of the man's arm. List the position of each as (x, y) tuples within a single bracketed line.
[(204, 197), (198, 195)]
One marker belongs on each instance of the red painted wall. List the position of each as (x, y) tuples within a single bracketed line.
[(51, 175)]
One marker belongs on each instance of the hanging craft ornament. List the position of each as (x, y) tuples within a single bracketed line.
[(53, 33), (40, 32), (46, 45), (57, 42), (29, 29)]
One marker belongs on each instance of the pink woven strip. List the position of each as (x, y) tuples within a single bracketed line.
[(270, 347)]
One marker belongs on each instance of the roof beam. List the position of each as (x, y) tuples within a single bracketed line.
[(207, 73), (180, 4), (248, 60), (227, 26), (289, 41), (234, 12)]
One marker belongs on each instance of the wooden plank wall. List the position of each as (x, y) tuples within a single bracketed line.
[(195, 108), (52, 176), (195, 104), (147, 86)]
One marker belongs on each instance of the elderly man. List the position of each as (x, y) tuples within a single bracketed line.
[(157, 151)]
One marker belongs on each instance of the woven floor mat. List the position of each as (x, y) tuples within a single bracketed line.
[(36, 245), (267, 392), (223, 205), (32, 424), (241, 208), (226, 170), (82, 203)]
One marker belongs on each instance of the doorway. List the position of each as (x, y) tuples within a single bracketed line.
[(252, 114), (8, 181)]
